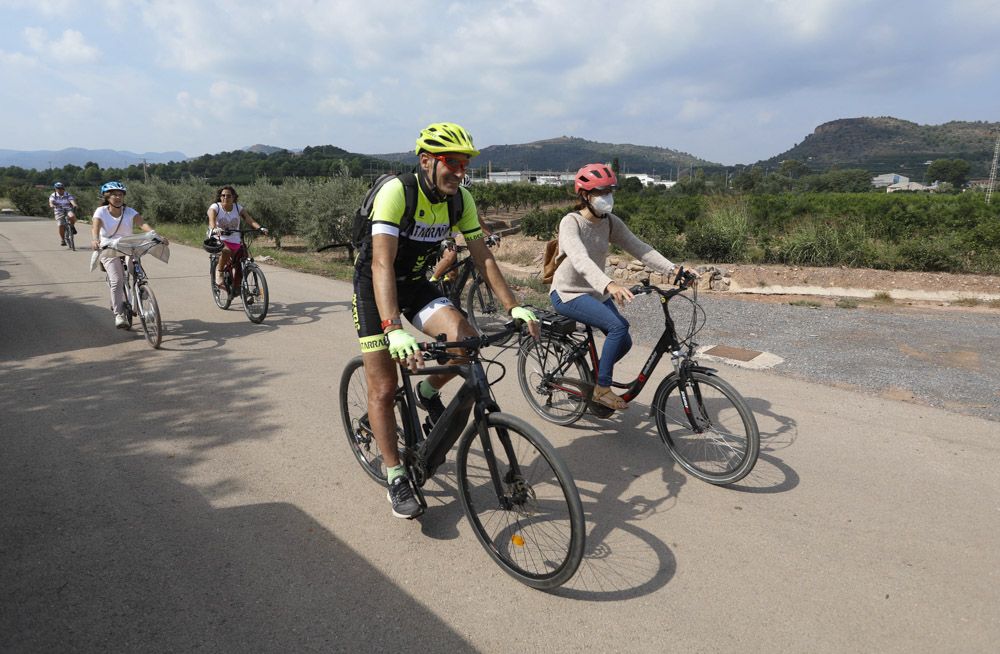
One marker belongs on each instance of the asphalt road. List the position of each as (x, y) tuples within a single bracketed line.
[(203, 498)]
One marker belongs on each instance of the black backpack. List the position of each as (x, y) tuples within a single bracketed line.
[(361, 232)]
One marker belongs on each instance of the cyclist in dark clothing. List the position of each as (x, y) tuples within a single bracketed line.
[(390, 282)]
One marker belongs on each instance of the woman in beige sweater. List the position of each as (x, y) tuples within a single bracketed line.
[(580, 288)]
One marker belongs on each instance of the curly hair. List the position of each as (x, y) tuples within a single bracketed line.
[(218, 193)]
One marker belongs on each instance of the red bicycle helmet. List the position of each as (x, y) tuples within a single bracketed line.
[(595, 177)]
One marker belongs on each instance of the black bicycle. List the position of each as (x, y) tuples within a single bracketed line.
[(139, 298), (241, 275), (703, 421), (517, 493), (485, 313)]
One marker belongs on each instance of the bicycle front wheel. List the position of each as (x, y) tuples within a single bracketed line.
[(521, 501), (716, 439), (354, 412), (149, 315), (222, 297), (70, 238), (486, 314), (560, 399), (253, 289)]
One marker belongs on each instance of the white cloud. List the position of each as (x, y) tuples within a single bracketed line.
[(362, 105), (69, 48), (226, 92)]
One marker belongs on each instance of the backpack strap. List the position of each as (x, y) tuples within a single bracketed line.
[(409, 181)]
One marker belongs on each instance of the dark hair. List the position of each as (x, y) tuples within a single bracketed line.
[(218, 193), (580, 202)]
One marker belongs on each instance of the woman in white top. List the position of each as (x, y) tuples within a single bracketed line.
[(225, 213), (111, 220)]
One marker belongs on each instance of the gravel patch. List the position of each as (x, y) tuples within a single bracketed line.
[(949, 360)]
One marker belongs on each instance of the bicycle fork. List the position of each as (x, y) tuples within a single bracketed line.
[(684, 381)]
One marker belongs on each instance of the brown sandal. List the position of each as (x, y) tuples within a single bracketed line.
[(605, 397)]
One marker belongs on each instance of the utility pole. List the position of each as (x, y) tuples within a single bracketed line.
[(993, 169), (145, 172)]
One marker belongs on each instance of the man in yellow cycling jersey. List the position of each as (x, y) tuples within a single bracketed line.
[(390, 282)]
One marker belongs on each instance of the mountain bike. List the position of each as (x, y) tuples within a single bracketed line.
[(481, 307), (139, 298), (242, 273), (705, 424), (62, 219), (516, 492)]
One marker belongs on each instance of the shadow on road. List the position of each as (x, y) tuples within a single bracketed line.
[(106, 545)]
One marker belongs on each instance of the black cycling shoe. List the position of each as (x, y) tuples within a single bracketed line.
[(433, 406), (404, 502), (62, 243)]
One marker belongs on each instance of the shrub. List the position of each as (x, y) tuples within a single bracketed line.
[(30, 201), (543, 223), (724, 235), (326, 208)]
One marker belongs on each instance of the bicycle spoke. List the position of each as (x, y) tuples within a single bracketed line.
[(531, 528), (717, 440)]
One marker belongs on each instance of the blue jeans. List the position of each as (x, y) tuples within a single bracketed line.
[(603, 316)]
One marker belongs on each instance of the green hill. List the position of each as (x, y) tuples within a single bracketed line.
[(886, 144), (567, 153)]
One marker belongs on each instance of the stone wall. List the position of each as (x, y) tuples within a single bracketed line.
[(633, 270)]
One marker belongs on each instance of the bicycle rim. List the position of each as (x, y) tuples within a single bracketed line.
[(70, 239), (560, 400), (253, 290), (149, 316), (222, 297), (354, 413), (534, 528), (486, 314), (722, 444)]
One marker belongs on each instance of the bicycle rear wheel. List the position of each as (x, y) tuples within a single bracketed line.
[(485, 312), (253, 289), (149, 315), (354, 412), (521, 501), (559, 399), (221, 296), (717, 440)]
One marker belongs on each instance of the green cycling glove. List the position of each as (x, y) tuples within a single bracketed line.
[(523, 314), (401, 344)]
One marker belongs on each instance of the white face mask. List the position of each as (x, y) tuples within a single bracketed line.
[(602, 204)]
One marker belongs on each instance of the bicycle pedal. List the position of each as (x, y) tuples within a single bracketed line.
[(428, 426)]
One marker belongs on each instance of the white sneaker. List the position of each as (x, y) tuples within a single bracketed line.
[(120, 321)]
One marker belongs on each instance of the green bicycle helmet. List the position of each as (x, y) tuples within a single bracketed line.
[(437, 138)]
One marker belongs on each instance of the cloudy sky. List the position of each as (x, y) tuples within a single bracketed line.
[(731, 81)]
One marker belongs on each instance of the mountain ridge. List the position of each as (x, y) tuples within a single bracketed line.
[(105, 158)]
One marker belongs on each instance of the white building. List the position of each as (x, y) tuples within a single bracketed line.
[(887, 179)]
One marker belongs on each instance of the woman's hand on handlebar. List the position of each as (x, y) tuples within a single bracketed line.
[(619, 293)]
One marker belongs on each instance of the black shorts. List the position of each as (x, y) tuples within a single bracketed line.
[(418, 300)]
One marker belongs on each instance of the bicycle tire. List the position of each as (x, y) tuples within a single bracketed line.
[(725, 449), (535, 531), (149, 315), (485, 313), (354, 413), (222, 297), (70, 238), (253, 290), (564, 400)]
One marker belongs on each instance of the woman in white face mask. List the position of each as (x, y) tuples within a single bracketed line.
[(580, 288)]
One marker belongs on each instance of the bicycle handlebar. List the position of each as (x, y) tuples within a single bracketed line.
[(239, 231), (683, 281), (438, 349)]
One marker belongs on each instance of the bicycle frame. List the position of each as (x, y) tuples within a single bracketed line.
[(585, 349), (473, 396)]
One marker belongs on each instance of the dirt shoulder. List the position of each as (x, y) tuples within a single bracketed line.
[(765, 283)]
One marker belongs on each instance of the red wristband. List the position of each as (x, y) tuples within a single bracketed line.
[(389, 322)]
